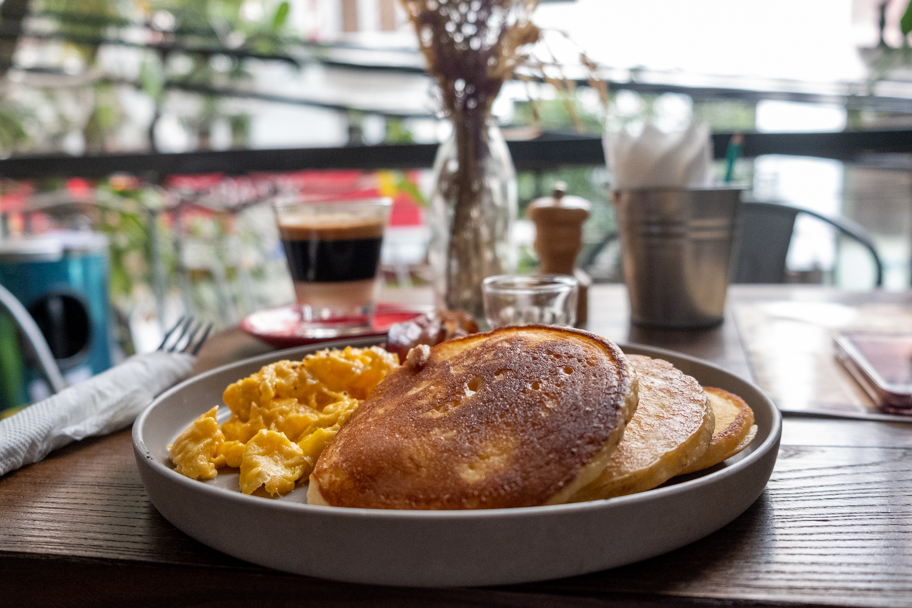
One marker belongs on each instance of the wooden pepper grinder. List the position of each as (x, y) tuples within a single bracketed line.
[(558, 223)]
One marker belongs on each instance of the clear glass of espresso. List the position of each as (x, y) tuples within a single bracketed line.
[(333, 252)]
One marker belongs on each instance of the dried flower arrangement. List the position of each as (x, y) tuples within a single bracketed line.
[(471, 48)]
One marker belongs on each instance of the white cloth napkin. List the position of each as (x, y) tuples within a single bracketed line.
[(103, 404), (656, 159)]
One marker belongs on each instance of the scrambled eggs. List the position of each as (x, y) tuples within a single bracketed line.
[(281, 418)]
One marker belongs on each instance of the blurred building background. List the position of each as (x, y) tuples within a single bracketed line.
[(115, 82)]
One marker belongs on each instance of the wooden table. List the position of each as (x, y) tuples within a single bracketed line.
[(833, 527)]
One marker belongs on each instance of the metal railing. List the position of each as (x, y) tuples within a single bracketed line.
[(551, 150)]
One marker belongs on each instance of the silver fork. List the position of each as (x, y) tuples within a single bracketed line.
[(180, 338)]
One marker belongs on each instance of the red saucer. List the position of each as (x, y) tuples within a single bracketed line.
[(284, 328)]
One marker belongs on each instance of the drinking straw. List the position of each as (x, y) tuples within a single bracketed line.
[(732, 154)]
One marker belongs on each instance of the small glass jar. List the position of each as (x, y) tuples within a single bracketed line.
[(546, 299)]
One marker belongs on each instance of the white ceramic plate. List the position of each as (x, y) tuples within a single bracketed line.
[(445, 548)]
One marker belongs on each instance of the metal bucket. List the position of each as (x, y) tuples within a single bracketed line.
[(677, 248)]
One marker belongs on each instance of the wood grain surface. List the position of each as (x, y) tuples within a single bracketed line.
[(833, 527)]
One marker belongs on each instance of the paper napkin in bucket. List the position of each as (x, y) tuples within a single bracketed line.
[(657, 159), (103, 404)]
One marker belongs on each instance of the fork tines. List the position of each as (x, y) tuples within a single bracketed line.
[(182, 337)]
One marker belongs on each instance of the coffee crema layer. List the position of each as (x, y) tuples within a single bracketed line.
[(332, 227), (332, 248)]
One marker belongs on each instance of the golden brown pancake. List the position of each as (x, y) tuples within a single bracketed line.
[(735, 429), (672, 427), (511, 418)]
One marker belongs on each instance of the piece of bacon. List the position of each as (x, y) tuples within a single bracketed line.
[(430, 328)]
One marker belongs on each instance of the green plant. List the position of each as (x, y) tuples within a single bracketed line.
[(905, 23), (125, 220), (13, 120), (231, 24), (398, 133), (555, 114), (211, 35)]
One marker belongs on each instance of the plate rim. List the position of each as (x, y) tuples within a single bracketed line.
[(142, 450)]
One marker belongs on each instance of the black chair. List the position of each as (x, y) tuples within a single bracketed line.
[(766, 233)]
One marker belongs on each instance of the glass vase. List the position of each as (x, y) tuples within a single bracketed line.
[(473, 206)]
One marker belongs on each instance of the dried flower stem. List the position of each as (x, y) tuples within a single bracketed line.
[(471, 47)]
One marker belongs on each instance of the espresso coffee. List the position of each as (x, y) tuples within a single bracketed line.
[(331, 249), (333, 258)]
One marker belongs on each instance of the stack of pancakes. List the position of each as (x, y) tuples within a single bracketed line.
[(524, 417)]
